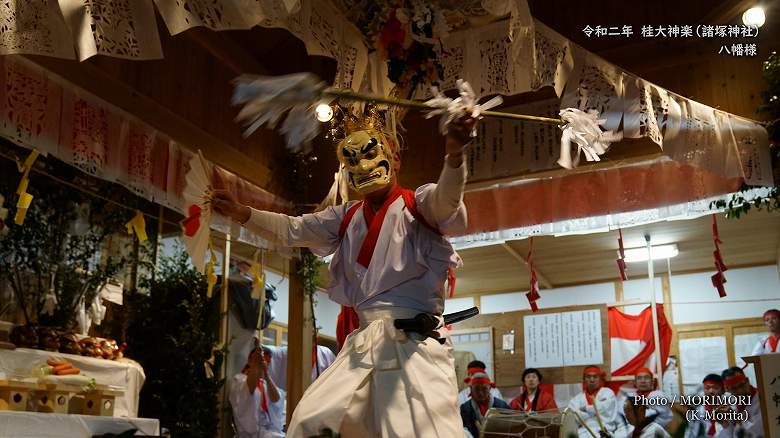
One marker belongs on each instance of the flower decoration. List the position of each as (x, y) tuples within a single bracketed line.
[(406, 34)]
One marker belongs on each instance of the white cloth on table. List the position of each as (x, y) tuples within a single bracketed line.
[(662, 412), (606, 403), (124, 373), (465, 394), (413, 267), (764, 347), (46, 425), (251, 420), (652, 430), (277, 368), (384, 384)]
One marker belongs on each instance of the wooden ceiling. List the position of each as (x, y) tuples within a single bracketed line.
[(581, 259), (187, 94)]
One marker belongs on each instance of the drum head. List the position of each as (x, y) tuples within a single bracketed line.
[(500, 423)]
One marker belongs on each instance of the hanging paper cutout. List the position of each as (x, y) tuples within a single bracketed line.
[(621, 260), (137, 226), (533, 293), (25, 199), (257, 272), (211, 276), (718, 279)]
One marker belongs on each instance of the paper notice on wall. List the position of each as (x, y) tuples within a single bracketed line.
[(505, 147), (542, 336), (563, 339), (699, 357), (581, 334)]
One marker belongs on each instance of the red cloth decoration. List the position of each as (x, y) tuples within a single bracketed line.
[(626, 330), (718, 279), (347, 322), (533, 293), (192, 222), (621, 262)]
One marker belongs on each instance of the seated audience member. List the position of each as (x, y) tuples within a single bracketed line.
[(258, 405), (769, 343), (699, 426), (473, 410), (597, 406), (647, 386), (737, 383), (475, 366), (640, 424), (532, 397)]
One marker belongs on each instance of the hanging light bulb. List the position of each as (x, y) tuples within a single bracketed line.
[(324, 112), (754, 16)]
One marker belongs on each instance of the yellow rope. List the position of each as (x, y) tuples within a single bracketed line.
[(351, 95)]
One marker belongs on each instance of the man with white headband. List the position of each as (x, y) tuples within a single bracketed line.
[(390, 263)]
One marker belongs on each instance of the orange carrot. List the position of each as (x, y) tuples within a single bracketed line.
[(54, 363), (62, 367), (67, 372)]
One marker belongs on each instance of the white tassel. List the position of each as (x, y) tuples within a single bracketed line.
[(452, 109), (584, 130), (267, 98), (338, 189)]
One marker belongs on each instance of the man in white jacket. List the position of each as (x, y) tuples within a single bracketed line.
[(258, 405), (751, 426), (769, 343), (596, 406), (390, 262), (657, 403)]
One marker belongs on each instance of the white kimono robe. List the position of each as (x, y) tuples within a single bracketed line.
[(701, 427), (250, 419), (753, 427), (765, 347), (652, 430), (663, 413), (606, 403), (383, 383)]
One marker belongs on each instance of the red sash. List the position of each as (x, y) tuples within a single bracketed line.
[(772, 341)]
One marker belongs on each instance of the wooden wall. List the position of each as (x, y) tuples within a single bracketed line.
[(509, 366)]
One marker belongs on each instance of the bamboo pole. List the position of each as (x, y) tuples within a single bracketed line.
[(406, 103), (223, 335), (656, 338)]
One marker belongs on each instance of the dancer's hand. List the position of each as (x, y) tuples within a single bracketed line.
[(458, 136), (224, 203)]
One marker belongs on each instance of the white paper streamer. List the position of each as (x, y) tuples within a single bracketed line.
[(452, 109), (266, 99), (584, 130)]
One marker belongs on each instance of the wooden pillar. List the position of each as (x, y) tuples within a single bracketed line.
[(299, 339)]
